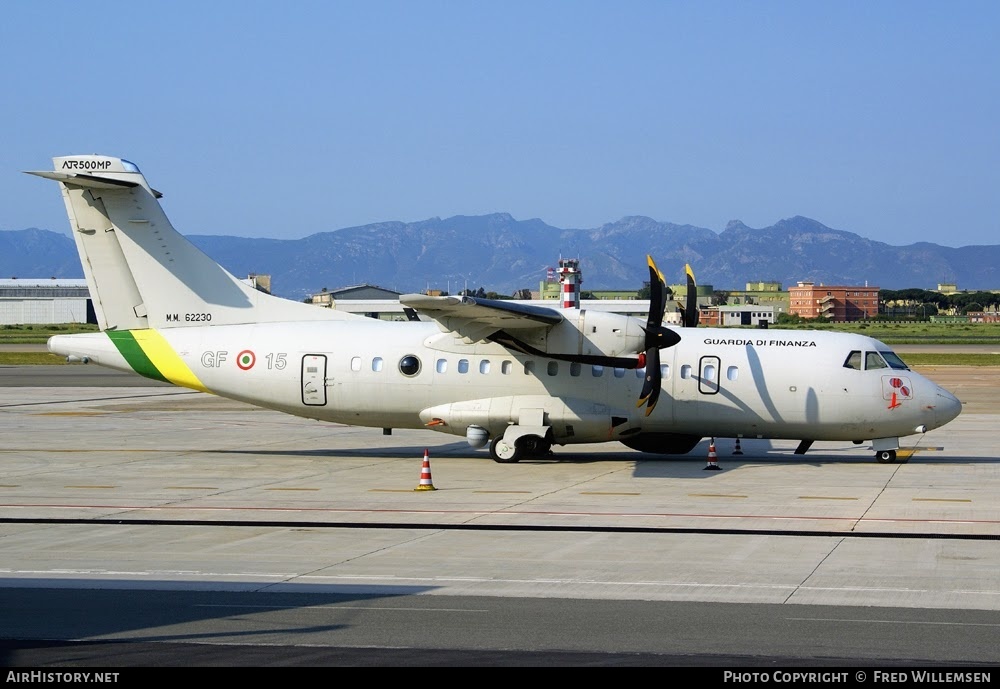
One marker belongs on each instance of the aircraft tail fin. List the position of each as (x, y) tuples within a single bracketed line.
[(141, 272)]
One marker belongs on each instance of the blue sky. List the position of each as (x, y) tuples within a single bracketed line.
[(286, 119)]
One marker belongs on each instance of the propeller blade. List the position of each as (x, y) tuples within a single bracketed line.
[(657, 297), (691, 310), (651, 385), (657, 337)]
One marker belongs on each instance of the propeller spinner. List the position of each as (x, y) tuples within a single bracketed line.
[(657, 336)]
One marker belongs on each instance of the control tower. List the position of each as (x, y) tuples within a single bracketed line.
[(570, 279)]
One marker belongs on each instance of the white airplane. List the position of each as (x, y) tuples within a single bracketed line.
[(515, 377)]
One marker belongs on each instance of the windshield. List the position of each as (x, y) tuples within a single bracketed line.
[(874, 360), (894, 361)]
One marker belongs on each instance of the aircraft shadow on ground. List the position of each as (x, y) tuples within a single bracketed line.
[(755, 452), (75, 609)]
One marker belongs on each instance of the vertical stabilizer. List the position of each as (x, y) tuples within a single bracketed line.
[(141, 272)]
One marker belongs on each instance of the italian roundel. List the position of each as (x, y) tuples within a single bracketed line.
[(246, 359)]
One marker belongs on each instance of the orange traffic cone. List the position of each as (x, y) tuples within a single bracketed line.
[(425, 475), (737, 450), (712, 457)]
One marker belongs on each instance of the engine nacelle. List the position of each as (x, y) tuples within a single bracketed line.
[(585, 332)]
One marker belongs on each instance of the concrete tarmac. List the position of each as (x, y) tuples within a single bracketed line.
[(147, 488)]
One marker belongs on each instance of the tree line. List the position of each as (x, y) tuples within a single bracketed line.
[(959, 302)]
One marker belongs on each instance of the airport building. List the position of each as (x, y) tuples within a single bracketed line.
[(838, 304), (743, 314), (761, 293), (368, 300), (37, 301)]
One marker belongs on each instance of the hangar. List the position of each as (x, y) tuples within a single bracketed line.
[(31, 301)]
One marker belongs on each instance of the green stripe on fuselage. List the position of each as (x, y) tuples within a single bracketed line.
[(136, 358)]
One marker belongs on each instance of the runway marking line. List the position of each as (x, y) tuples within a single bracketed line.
[(714, 495), (92, 450), (390, 490), (504, 512), (942, 500), (823, 497)]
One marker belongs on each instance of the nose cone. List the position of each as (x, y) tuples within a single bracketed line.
[(946, 407)]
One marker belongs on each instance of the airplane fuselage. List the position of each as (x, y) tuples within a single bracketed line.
[(366, 372)]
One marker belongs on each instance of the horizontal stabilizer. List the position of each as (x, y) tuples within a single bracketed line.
[(82, 180)]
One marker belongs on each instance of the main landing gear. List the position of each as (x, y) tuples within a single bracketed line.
[(507, 452)]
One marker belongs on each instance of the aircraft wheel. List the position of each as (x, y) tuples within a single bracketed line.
[(503, 452), (535, 446), (885, 456)]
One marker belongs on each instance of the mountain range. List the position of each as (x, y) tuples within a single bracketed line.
[(504, 255)]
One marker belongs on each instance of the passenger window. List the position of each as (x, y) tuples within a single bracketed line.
[(597, 370), (686, 371), (575, 368), (356, 363), (874, 360), (441, 365), (665, 371), (640, 372), (709, 372), (463, 365), (553, 368), (484, 366), (529, 368), (619, 373), (853, 361), (506, 367), (377, 363), (732, 373)]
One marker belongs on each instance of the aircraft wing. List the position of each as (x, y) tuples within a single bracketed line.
[(475, 319)]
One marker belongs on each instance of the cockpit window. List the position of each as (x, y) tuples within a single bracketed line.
[(129, 166), (874, 360), (894, 361), (853, 360)]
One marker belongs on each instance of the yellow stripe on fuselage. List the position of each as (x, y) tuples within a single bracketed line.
[(166, 359)]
